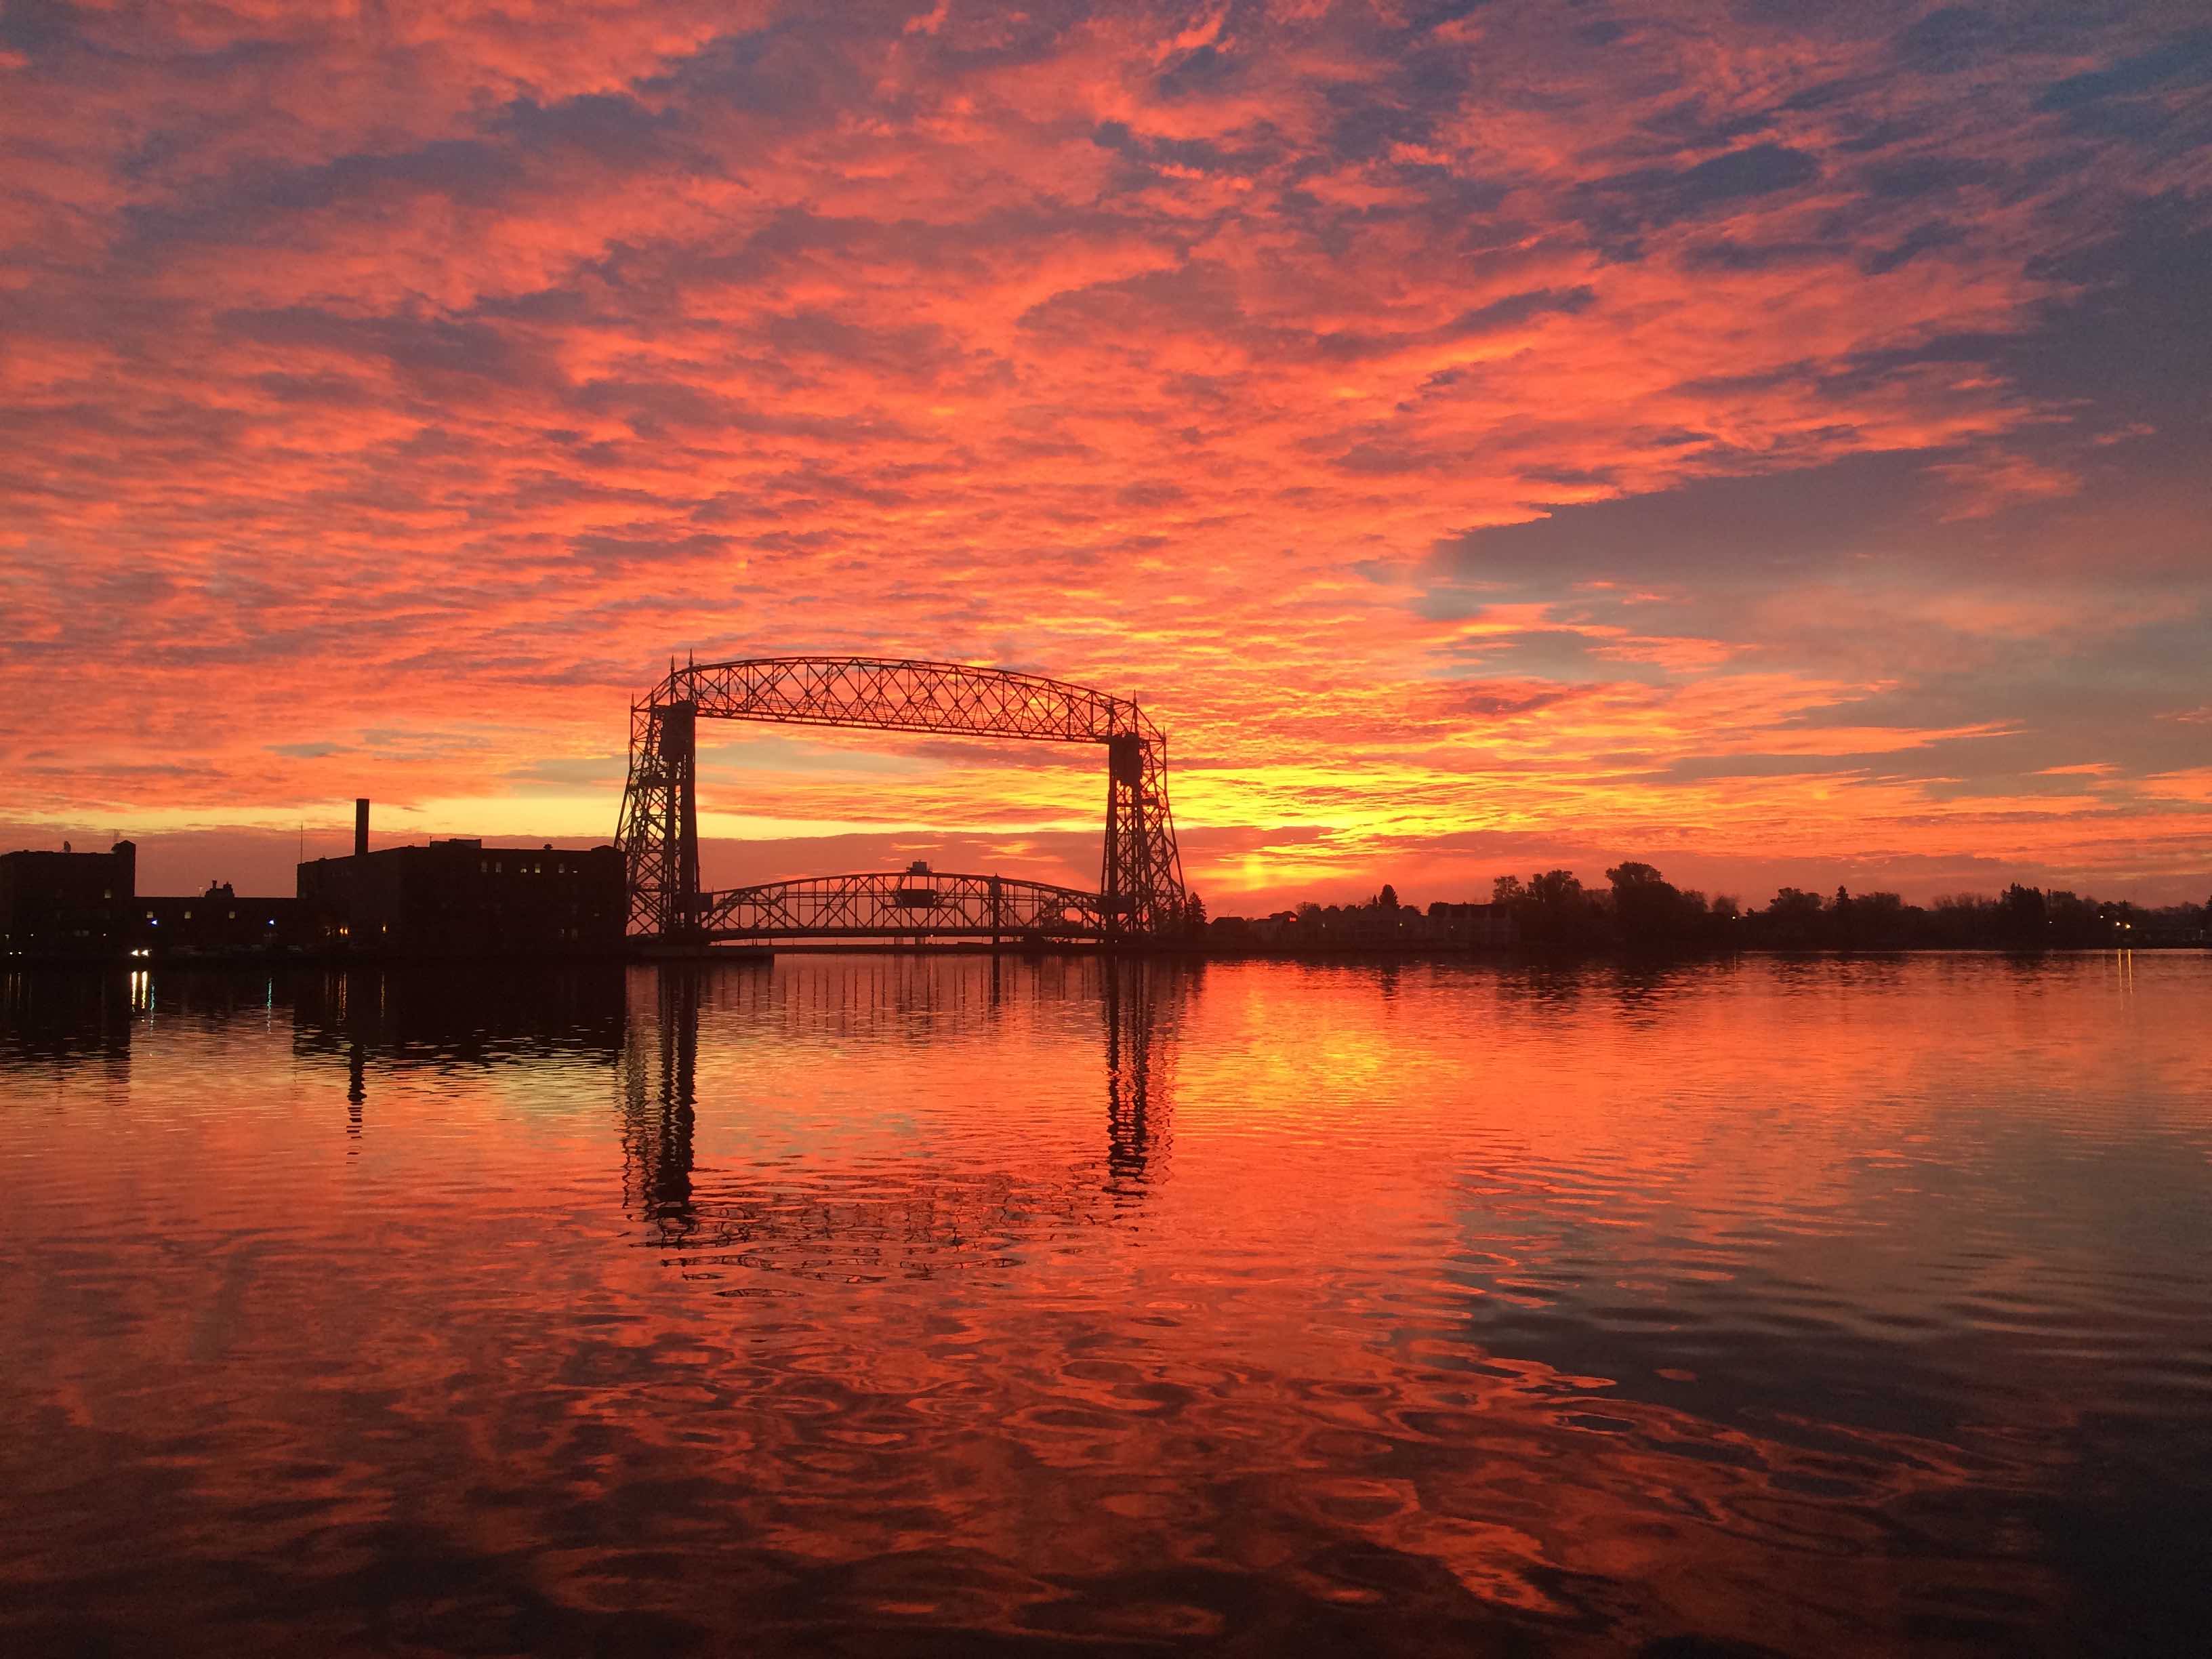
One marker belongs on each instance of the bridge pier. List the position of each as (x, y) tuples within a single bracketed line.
[(679, 750)]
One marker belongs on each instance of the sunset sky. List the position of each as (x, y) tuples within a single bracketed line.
[(1770, 440)]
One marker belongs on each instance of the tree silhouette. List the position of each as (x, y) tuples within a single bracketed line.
[(2023, 919), (1554, 914), (1648, 909), (1194, 912), (1793, 920), (1555, 890)]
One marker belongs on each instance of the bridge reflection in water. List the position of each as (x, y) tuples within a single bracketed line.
[(931, 1212), (930, 1194)]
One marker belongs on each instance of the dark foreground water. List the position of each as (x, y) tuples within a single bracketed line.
[(926, 1306)]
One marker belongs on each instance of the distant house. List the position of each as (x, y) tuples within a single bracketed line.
[(1477, 926), (2177, 924), (68, 905)]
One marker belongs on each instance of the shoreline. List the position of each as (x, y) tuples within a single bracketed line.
[(761, 955)]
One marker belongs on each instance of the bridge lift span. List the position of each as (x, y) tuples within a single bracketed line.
[(1141, 893), (916, 903)]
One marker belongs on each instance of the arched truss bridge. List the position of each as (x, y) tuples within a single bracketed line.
[(914, 903), (1140, 890)]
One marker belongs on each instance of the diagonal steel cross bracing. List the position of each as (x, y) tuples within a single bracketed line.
[(903, 904), (1141, 871)]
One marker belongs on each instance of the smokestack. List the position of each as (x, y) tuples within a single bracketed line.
[(360, 826)]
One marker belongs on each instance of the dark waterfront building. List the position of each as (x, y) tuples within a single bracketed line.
[(71, 905), (462, 898), (1478, 926), (67, 904), (450, 898), (218, 923)]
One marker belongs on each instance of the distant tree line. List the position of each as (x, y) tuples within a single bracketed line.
[(1381, 923), (1639, 910)]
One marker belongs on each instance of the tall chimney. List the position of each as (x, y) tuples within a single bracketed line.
[(360, 826)]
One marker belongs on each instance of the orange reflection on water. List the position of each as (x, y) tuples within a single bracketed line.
[(1814, 1305)]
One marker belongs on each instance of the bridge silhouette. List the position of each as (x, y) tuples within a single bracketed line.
[(1141, 893)]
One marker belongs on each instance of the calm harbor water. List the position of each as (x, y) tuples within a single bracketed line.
[(932, 1305)]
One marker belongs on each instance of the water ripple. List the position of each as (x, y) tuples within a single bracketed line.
[(880, 1303)]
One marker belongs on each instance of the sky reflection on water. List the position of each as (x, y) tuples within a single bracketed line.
[(950, 1305)]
